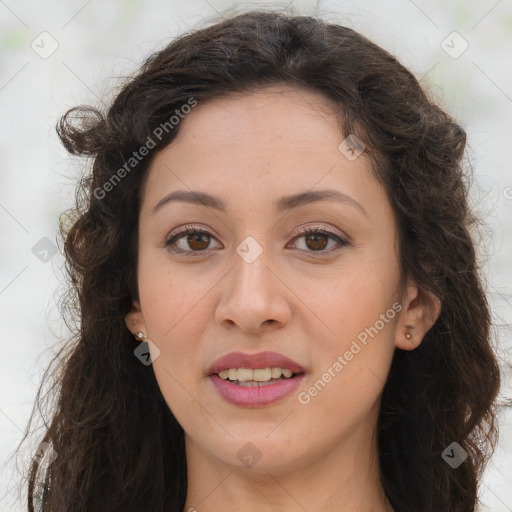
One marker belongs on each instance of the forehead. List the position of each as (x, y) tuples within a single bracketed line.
[(291, 114), (241, 147)]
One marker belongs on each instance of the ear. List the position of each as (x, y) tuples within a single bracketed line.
[(135, 319), (420, 310)]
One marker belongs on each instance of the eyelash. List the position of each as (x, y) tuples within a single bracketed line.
[(191, 230)]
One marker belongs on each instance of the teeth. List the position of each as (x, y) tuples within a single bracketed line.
[(257, 375), (276, 373), (262, 374), (244, 374)]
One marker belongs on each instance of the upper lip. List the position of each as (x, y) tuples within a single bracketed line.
[(259, 360)]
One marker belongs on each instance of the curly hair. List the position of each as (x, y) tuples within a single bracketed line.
[(442, 392)]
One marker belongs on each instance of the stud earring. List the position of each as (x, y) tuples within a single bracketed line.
[(408, 335), (141, 336)]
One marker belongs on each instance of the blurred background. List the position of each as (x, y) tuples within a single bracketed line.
[(55, 55)]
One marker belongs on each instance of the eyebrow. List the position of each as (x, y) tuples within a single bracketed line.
[(285, 203)]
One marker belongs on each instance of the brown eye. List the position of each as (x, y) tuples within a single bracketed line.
[(198, 242), (190, 241), (317, 241)]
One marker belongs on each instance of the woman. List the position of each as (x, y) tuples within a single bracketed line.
[(279, 301)]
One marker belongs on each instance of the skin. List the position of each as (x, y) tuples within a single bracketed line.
[(251, 149)]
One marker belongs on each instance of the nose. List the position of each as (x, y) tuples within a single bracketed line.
[(253, 297)]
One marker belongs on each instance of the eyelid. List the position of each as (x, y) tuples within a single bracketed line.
[(184, 229), (320, 227)]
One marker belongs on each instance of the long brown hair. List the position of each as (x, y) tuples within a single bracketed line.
[(119, 446)]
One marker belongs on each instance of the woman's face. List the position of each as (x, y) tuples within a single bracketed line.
[(256, 283)]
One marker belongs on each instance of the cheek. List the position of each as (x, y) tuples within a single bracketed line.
[(355, 355), (176, 314), (175, 317), (352, 364), (169, 295), (357, 293)]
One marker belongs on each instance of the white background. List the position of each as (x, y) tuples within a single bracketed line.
[(99, 41)]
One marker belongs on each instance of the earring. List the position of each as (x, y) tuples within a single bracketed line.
[(141, 336), (408, 335)]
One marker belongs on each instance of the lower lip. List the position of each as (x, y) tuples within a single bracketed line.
[(255, 396)]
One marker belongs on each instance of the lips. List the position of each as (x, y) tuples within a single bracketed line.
[(260, 396), (260, 360)]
